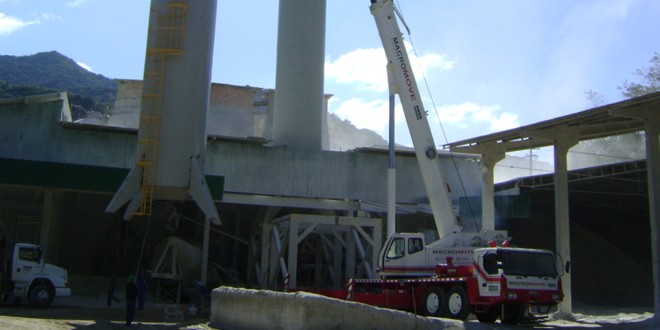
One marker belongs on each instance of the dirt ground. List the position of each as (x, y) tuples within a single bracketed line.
[(93, 313)]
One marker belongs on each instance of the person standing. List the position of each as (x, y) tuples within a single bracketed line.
[(142, 289), (131, 295), (111, 289)]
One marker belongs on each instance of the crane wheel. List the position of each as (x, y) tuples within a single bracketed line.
[(487, 317), (512, 313), (434, 302), (458, 304)]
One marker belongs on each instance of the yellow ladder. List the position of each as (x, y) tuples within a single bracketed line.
[(166, 39)]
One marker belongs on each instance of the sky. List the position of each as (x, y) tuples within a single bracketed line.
[(482, 66)]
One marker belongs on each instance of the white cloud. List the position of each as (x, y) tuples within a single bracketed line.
[(50, 17), (363, 67), (85, 66), (371, 115), (467, 113), (75, 3), (9, 24), (366, 67)]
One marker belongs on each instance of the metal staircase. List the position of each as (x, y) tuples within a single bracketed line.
[(166, 38)]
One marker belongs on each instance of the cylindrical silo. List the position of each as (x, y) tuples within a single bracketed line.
[(171, 147), (299, 79), (181, 41)]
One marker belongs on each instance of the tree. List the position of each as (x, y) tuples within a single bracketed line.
[(595, 99), (650, 80), (624, 147)]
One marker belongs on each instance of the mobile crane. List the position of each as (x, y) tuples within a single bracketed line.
[(460, 273), (451, 240)]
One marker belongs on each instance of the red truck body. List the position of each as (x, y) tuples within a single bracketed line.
[(491, 288)]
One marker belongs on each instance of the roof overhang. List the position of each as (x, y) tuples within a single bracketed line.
[(608, 120)]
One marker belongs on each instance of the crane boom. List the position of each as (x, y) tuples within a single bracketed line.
[(403, 83)]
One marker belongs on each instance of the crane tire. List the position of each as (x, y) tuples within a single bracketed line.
[(487, 317), (434, 302), (512, 313), (458, 303)]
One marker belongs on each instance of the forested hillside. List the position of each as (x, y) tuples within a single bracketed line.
[(51, 71)]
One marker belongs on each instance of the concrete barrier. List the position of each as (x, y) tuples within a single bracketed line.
[(246, 309)]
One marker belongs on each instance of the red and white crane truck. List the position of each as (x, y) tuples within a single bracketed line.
[(461, 272), (502, 282)]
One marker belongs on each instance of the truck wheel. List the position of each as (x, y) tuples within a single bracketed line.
[(512, 313), (40, 296), (458, 305), (487, 317), (434, 302)]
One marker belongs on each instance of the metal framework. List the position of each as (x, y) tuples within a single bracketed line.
[(323, 250)]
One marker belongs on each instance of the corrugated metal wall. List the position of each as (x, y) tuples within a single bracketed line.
[(33, 132)]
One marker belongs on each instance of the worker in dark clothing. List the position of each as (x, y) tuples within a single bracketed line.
[(142, 289), (131, 296), (111, 289)]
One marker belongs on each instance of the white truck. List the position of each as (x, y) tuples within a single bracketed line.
[(26, 275)]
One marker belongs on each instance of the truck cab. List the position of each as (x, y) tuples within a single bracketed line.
[(28, 276), (511, 282)]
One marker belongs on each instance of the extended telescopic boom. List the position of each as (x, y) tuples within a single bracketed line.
[(403, 83)]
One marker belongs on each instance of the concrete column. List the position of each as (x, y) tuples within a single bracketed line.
[(51, 223), (338, 258), (391, 173), (46, 222), (205, 250), (350, 255), (266, 245), (488, 161), (563, 142), (299, 78), (293, 252), (652, 129)]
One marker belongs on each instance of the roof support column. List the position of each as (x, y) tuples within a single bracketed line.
[(652, 129), (565, 139), (488, 161), (650, 114)]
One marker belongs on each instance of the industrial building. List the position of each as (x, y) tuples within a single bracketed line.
[(270, 201), (58, 176)]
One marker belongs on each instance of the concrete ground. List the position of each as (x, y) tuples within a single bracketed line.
[(80, 312)]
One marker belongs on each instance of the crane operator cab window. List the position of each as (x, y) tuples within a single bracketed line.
[(415, 245), (397, 248)]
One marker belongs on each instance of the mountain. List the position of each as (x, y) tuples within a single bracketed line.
[(52, 71)]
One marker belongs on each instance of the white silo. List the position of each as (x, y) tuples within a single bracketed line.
[(299, 98), (171, 147)]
